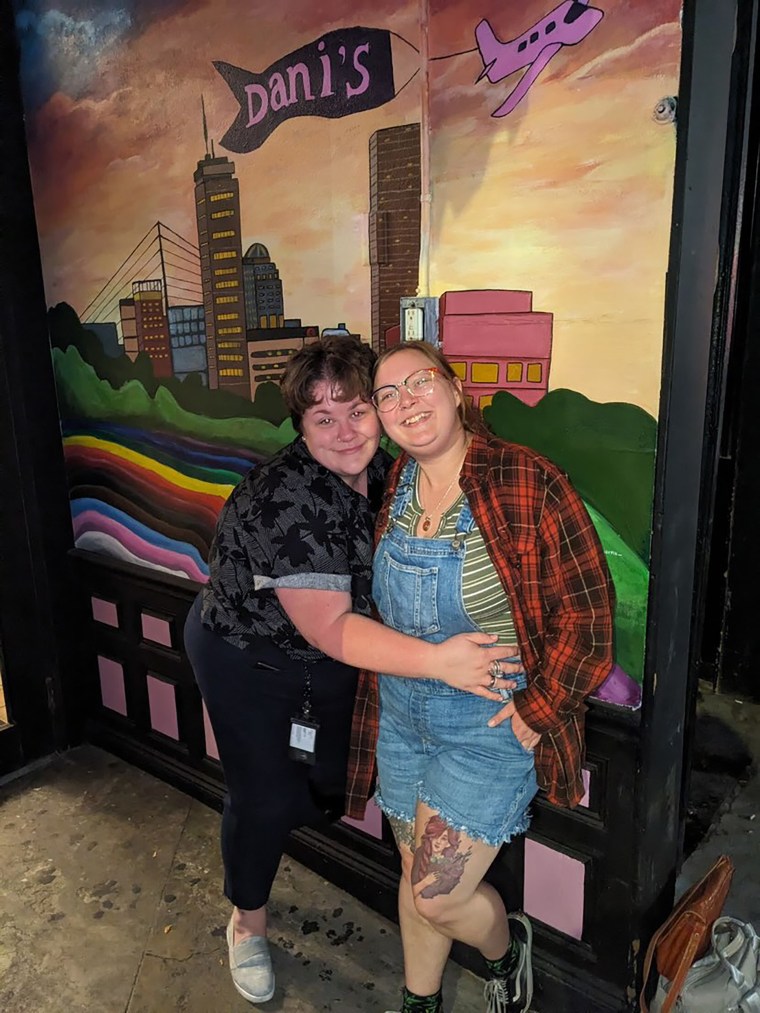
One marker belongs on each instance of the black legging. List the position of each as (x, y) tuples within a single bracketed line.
[(268, 794)]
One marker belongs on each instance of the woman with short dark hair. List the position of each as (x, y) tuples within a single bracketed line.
[(276, 635)]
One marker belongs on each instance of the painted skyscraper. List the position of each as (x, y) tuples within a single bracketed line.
[(217, 203), (394, 223), (264, 305), (144, 325)]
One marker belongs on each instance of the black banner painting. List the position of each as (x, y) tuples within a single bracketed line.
[(341, 73)]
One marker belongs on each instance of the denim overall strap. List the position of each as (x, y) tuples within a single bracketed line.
[(465, 523), (417, 582), (404, 492)]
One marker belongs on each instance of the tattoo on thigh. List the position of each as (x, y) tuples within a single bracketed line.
[(439, 860), (403, 831)]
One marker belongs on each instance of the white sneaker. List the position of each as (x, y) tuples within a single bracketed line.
[(251, 967)]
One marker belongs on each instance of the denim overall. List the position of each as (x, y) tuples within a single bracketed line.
[(435, 745)]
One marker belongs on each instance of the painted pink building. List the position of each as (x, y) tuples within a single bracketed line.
[(496, 341)]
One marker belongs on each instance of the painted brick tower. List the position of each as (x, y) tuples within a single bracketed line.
[(394, 223)]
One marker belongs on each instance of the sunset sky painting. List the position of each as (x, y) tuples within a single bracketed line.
[(535, 200)]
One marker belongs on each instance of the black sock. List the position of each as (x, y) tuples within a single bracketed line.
[(422, 1003), (504, 966)]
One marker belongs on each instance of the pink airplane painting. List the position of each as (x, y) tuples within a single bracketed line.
[(567, 25)]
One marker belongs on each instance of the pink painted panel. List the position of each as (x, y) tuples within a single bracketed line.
[(587, 786), (518, 335), (163, 707), (112, 691), (372, 823), (211, 747), (554, 885), (104, 611), (486, 301), (155, 629)]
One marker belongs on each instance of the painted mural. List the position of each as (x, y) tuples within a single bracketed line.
[(216, 185)]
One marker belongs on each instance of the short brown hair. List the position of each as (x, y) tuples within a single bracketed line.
[(343, 360), (471, 418)]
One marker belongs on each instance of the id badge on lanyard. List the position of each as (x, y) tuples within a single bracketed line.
[(302, 746)]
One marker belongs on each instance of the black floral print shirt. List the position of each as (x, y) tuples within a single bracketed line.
[(291, 522)]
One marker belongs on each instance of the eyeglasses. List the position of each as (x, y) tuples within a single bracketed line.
[(417, 384)]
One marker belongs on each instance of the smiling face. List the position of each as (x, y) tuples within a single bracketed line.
[(342, 435), (427, 425)]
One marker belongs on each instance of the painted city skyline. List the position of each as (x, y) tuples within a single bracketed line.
[(532, 201), (237, 335)]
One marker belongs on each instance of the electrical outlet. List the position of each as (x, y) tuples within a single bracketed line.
[(419, 319), (413, 329)]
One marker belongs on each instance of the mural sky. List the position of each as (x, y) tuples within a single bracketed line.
[(569, 196)]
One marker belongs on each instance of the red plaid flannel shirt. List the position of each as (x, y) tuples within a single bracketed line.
[(546, 551)]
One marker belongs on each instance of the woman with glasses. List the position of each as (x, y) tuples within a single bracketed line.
[(474, 534), (275, 636)]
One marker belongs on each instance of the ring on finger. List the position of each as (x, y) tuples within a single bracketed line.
[(495, 669)]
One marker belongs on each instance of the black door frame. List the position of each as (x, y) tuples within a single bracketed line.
[(728, 636), (38, 612), (699, 300)]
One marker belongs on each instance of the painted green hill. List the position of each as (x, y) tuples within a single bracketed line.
[(608, 450), (82, 395), (631, 579)]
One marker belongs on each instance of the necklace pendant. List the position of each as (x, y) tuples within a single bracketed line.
[(426, 522)]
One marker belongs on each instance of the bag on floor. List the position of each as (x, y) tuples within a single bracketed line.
[(686, 934), (725, 981)]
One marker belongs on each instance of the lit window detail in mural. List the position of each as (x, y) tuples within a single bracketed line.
[(224, 214), (225, 255), (228, 316), (534, 373), (230, 330), (230, 358), (220, 299), (485, 400), (223, 235), (228, 195), (227, 284), (485, 372), (225, 270), (460, 368)]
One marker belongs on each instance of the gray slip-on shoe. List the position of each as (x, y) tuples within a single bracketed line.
[(251, 967)]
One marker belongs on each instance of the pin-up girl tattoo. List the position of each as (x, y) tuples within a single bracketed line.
[(438, 862)]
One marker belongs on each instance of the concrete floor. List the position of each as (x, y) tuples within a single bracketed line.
[(726, 785), (110, 892), (111, 903)]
